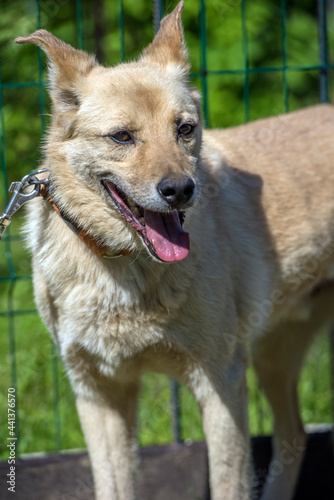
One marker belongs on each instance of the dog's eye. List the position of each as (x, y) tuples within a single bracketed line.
[(122, 137), (186, 129)]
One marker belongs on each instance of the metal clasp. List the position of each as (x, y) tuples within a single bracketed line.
[(21, 195)]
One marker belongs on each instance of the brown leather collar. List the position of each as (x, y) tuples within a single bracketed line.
[(97, 247)]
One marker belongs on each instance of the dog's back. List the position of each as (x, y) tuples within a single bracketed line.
[(284, 168)]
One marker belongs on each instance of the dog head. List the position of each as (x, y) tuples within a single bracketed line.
[(124, 142)]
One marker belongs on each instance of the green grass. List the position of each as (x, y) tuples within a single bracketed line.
[(36, 366)]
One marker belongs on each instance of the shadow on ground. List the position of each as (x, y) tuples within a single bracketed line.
[(170, 472)]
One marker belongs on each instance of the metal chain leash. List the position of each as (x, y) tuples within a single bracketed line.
[(25, 190)]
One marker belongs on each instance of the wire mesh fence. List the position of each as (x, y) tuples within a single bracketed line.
[(239, 81)]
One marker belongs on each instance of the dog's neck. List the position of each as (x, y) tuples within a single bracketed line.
[(95, 245)]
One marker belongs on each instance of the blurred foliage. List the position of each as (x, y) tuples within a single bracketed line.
[(24, 119)]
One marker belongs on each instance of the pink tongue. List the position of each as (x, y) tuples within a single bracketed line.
[(166, 235)]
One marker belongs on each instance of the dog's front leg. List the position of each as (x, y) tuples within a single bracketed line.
[(108, 422), (222, 398)]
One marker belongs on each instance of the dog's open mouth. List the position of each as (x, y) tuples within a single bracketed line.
[(161, 232)]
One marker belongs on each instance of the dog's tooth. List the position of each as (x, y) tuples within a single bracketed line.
[(142, 220), (135, 211), (130, 202)]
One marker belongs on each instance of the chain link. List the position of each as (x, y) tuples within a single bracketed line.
[(25, 190)]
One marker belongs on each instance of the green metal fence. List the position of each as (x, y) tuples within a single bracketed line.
[(22, 337)]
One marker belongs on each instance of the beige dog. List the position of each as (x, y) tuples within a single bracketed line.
[(253, 259)]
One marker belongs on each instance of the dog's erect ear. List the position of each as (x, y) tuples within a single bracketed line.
[(168, 46), (67, 67)]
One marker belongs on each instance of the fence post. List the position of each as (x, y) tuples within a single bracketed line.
[(121, 29), (245, 58), (331, 360), (284, 54), (175, 408), (324, 97), (203, 59), (158, 11), (323, 50)]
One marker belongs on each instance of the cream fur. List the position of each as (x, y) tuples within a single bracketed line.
[(261, 232)]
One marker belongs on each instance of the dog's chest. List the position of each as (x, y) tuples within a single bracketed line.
[(114, 318)]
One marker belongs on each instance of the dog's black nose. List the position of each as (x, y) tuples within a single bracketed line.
[(176, 190)]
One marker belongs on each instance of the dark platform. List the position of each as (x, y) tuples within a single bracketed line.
[(171, 472)]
